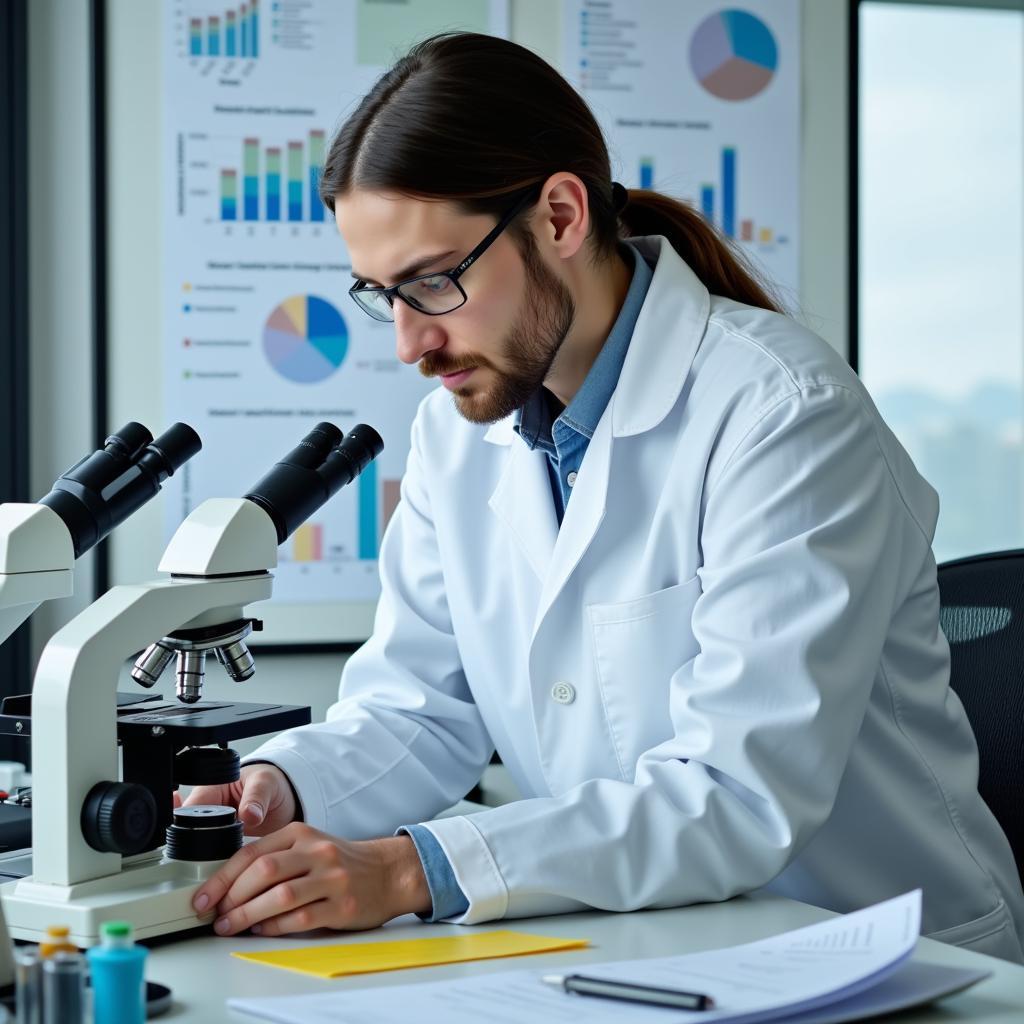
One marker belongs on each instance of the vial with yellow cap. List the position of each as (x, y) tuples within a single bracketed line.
[(57, 941)]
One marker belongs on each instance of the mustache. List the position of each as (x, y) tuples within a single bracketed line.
[(433, 365)]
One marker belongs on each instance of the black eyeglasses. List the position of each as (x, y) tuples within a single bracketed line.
[(433, 294)]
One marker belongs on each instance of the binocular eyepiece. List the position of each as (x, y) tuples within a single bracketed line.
[(318, 467), (106, 487)]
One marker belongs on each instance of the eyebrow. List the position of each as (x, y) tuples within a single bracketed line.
[(410, 269)]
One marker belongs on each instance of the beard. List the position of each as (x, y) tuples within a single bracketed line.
[(528, 349)]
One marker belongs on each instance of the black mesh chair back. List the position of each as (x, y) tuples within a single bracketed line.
[(982, 615)]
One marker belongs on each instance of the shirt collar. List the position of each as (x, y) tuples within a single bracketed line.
[(535, 423)]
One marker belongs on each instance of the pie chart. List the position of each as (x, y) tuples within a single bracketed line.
[(305, 339), (733, 54)]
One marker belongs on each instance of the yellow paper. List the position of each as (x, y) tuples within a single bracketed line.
[(366, 957)]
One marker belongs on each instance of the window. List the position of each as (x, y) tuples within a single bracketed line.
[(941, 254)]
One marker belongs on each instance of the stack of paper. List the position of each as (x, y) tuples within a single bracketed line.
[(841, 969)]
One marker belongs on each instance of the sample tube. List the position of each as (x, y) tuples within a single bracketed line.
[(64, 989), (28, 985)]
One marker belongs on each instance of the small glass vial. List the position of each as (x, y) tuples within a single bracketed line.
[(118, 976)]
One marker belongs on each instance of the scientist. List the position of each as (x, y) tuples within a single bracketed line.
[(655, 545)]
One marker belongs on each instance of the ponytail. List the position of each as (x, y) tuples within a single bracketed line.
[(721, 265)]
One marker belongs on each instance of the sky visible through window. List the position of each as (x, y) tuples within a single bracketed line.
[(942, 256)]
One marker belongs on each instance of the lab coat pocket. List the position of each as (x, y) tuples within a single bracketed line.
[(638, 646), (993, 934)]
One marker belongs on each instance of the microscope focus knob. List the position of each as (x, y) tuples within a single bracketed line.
[(119, 817)]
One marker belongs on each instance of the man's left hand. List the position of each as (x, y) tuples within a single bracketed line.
[(299, 878)]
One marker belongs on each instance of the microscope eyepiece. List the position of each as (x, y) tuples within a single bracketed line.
[(313, 472), (173, 448), (129, 441), (103, 489)]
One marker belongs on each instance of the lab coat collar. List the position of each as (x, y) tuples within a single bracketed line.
[(667, 335)]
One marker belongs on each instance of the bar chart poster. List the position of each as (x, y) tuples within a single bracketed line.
[(261, 340), (701, 101)]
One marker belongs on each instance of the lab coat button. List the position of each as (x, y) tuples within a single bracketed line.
[(563, 693)]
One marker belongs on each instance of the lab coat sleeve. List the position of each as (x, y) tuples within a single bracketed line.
[(405, 739), (803, 532)]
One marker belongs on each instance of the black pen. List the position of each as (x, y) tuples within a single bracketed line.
[(629, 992)]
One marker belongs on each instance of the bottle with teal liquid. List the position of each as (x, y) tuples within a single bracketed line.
[(118, 976)]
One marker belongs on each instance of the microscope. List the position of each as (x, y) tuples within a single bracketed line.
[(109, 844)]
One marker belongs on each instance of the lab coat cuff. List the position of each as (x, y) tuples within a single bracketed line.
[(304, 781), (475, 869)]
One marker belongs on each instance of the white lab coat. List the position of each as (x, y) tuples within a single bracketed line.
[(724, 672)]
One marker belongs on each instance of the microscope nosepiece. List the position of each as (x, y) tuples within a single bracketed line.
[(190, 672)]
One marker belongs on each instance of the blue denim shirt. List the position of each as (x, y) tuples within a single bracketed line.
[(564, 440)]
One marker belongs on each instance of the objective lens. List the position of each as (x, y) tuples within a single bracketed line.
[(149, 666), (191, 670), (237, 660)]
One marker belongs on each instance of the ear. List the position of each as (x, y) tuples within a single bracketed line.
[(562, 215)]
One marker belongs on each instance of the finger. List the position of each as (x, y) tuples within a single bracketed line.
[(176, 799), (291, 897), (257, 798), (311, 915), (212, 891), (264, 873), (209, 795)]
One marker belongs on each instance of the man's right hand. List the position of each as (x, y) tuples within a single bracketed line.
[(263, 797)]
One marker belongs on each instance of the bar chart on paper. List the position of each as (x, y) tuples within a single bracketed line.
[(275, 183), (376, 499), (717, 199), (231, 31)]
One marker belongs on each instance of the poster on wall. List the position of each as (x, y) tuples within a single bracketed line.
[(701, 100), (260, 339)]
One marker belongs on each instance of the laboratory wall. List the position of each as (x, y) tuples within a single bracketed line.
[(61, 254)]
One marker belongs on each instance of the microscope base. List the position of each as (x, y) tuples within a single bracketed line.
[(155, 895)]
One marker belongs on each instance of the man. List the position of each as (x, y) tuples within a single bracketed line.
[(655, 545)]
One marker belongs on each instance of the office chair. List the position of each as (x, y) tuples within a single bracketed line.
[(982, 615)]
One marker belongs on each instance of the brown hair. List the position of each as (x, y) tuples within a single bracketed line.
[(477, 120)]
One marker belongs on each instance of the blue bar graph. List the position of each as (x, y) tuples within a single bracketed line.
[(368, 512), (316, 161), (295, 181), (228, 194), (251, 178), (707, 201), (241, 36), (274, 183), (646, 172), (729, 191)]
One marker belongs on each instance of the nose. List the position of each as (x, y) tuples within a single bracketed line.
[(416, 333)]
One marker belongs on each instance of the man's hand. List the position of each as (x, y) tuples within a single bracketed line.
[(298, 879), (263, 797)]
